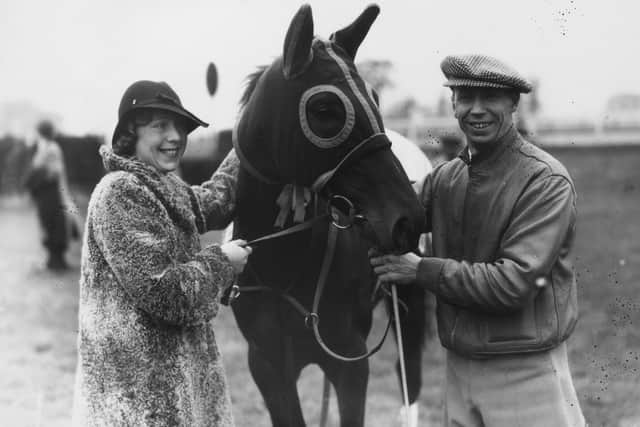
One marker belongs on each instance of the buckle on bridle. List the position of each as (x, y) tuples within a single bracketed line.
[(234, 293), (311, 320), (342, 212)]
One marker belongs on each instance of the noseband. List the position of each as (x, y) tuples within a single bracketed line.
[(341, 215)]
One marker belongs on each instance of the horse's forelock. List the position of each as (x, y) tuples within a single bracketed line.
[(252, 82)]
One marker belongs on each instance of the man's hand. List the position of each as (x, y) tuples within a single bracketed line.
[(400, 269)]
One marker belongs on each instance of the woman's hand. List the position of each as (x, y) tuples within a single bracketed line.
[(238, 253)]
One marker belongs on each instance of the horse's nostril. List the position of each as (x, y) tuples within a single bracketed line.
[(401, 235)]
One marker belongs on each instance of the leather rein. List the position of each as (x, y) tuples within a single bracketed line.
[(312, 318)]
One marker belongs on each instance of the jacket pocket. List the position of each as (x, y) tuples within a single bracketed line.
[(514, 327)]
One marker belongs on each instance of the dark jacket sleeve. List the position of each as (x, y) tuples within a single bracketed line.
[(217, 196), (139, 244), (542, 221)]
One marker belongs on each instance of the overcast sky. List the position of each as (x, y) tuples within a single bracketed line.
[(74, 58)]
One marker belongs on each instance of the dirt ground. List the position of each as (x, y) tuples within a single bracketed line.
[(38, 318)]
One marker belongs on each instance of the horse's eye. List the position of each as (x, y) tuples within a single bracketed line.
[(326, 114)]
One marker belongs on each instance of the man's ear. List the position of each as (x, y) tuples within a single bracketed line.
[(516, 100), (453, 102)]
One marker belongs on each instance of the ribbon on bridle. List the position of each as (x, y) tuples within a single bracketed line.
[(293, 198)]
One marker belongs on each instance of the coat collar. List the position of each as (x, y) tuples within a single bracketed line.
[(490, 155), (175, 195)]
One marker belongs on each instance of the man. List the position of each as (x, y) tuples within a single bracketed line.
[(46, 181), (502, 217)]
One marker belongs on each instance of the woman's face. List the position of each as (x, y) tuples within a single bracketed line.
[(162, 141)]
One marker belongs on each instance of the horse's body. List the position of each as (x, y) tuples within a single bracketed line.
[(301, 117)]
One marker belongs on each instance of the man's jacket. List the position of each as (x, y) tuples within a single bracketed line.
[(503, 225)]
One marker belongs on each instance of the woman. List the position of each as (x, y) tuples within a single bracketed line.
[(148, 291)]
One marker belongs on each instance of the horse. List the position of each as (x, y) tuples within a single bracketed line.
[(318, 187)]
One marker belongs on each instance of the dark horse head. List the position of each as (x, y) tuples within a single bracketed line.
[(310, 119)]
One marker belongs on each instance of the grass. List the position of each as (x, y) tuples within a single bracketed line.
[(38, 318)]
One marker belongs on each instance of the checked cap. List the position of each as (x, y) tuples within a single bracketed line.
[(482, 71)]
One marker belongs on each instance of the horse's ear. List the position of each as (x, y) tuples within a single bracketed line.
[(297, 44), (350, 38)]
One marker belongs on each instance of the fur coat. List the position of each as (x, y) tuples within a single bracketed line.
[(147, 354)]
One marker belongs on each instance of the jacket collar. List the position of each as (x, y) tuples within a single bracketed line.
[(175, 195), (490, 155)]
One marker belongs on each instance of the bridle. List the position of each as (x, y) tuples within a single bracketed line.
[(341, 215)]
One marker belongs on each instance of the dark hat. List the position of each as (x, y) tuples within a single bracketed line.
[(482, 71), (159, 95)]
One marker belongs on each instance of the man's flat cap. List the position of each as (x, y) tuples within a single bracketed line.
[(482, 71)]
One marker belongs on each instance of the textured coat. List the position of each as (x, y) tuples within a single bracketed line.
[(148, 292)]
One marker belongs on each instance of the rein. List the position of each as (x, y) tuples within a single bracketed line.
[(311, 318)]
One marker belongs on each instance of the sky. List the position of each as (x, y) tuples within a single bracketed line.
[(73, 59)]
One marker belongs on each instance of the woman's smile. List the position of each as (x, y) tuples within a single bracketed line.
[(161, 142)]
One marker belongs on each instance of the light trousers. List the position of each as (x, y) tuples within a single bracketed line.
[(525, 390)]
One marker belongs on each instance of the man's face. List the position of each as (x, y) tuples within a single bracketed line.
[(484, 114), (161, 142)]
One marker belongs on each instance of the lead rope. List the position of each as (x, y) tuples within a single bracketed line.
[(403, 371), (326, 395)]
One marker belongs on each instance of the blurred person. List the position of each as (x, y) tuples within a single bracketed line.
[(147, 353), (46, 181), (502, 217)]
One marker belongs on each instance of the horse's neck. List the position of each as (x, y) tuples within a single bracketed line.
[(256, 201)]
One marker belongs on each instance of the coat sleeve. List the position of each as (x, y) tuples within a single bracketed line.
[(138, 242), (217, 196), (541, 227)]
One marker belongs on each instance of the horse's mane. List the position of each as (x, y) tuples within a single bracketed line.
[(252, 81)]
